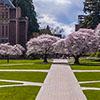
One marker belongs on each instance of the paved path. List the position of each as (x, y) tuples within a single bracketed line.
[(60, 84), (86, 71), (17, 85), (86, 82), (22, 70), (22, 83), (90, 88)]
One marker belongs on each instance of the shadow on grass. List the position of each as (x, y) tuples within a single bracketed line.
[(86, 62), (43, 63)]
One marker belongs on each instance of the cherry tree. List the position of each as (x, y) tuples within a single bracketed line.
[(84, 30), (97, 33), (80, 43), (97, 30), (16, 50), (60, 47), (43, 44), (4, 50), (9, 50)]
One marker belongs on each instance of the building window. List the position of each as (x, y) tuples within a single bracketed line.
[(6, 14), (0, 30), (3, 31), (3, 15), (6, 34), (0, 15)]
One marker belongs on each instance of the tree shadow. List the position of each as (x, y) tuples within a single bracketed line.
[(92, 62)]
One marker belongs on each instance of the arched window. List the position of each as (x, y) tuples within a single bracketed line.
[(6, 32), (2, 30), (3, 14), (6, 14)]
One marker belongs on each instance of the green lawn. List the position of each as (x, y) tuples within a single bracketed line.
[(88, 76), (85, 67), (34, 66), (19, 93), (19, 61), (8, 83), (86, 64), (92, 95), (24, 92), (24, 76), (26, 64)]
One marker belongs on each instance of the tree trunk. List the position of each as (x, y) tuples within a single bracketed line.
[(76, 60), (8, 58), (45, 58)]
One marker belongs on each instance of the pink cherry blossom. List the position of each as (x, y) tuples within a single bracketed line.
[(41, 45), (80, 43), (8, 50), (59, 46)]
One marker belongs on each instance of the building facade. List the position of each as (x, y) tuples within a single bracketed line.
[(13, 27)]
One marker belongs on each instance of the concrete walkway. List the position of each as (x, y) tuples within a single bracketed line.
[(86, 82), (60, 84), (90, 88), (86, 71), (22, 70), (22, 83)]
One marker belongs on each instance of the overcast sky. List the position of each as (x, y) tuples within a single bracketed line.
[(62, 13)]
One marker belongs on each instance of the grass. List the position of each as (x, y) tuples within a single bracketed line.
[(86, 64), (88, 76), (85, 67), (90, 61), (19, 61), (19, 93), (27, 64), (8, 83), (97, 85), (34, 66), (24, 92), (24, 76), (92, 95)]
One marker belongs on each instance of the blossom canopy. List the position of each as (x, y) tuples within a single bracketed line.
[(43, 44)]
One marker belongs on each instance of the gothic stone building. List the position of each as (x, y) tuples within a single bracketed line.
[(13, 27)]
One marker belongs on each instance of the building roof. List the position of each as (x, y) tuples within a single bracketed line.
[(8, 3)]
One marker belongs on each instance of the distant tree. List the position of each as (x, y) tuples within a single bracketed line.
[(47, 30), (87, 22), (9, 50), (57, 30), (41, 45), (28, 10)]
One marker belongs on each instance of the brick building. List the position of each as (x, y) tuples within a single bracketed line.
[(13, 27)]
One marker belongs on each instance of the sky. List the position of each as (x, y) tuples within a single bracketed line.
[(58, 13)]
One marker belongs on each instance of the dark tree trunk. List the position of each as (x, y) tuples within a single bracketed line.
[(8, 58), (45, 58), (76, 60)]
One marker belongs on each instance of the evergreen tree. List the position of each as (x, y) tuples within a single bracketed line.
[(92, 9), (28, 10), (46, 30)]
